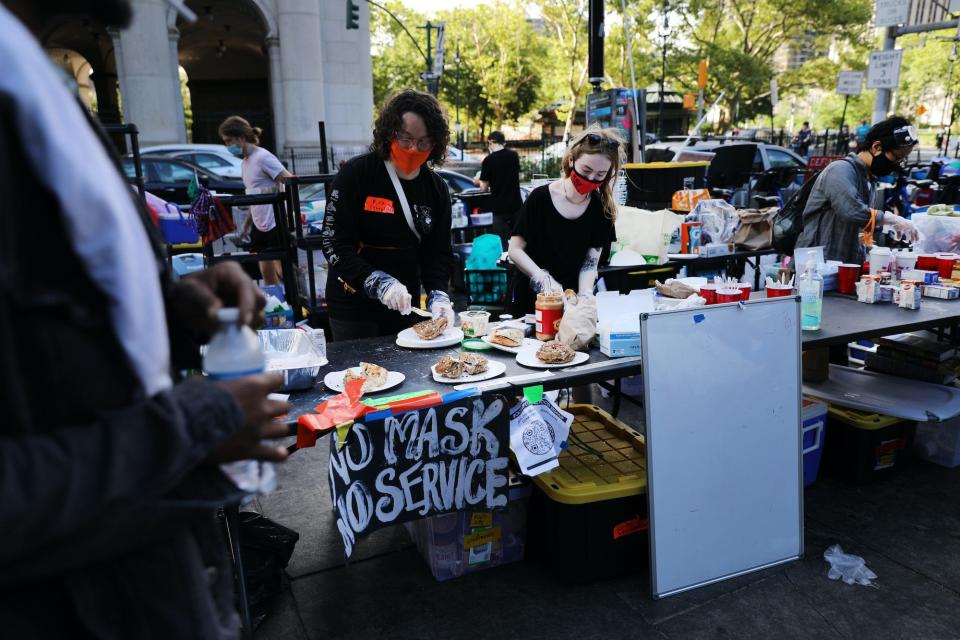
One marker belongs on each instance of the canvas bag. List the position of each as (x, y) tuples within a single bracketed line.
[(756, 229)]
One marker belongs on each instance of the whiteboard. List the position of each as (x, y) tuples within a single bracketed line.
[(724, 472)]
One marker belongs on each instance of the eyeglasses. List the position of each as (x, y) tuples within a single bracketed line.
[(422, 144), (597, 140)]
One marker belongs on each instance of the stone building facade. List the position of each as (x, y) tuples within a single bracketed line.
[(285, 65)]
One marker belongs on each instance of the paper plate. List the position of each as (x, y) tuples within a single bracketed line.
[(407, 338), (528, 343), (334, 380), (494, 369), (528, 358)]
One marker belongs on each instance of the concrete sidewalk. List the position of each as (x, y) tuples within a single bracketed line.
[(907, 529)]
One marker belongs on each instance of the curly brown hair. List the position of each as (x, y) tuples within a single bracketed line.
[(390, 121)]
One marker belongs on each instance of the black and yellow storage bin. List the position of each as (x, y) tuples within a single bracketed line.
[(651, 185), (588, 516), (862, 447)]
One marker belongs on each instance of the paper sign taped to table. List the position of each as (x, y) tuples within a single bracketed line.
[(406, 466), (537, 434)]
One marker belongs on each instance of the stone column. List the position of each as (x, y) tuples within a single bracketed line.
[(146, 73), (276, 92), (301, 67), (105, 84), (173, 36), (349, 80)]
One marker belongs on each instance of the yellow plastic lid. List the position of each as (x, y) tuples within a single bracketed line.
[(584, 477), (862, 419), (666, 165)]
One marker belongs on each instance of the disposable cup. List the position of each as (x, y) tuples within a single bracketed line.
[(945, 264), (847, 276), (745, 290), (728, 295), (779, 290), (709, 293)]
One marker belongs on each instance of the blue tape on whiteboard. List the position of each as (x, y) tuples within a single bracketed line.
[(697, 319)]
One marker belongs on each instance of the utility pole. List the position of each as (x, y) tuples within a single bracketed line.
[(595, 19), (663, 68), (457, 126)]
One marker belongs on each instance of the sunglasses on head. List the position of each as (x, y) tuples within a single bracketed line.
[(596, 140)]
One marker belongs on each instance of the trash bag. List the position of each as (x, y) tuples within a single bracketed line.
[(851, 569), (265, 548), (486, 252)]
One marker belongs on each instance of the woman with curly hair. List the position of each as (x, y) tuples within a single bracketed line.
[(386, 228), (563, 227)]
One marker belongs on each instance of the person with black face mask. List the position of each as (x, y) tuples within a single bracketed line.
[(838, 214)]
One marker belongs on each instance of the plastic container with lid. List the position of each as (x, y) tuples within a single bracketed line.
[(880, 258), (939, 442), (862, 447), (589, 515), (549, 311)]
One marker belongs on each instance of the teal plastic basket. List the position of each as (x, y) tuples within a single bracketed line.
[(486, 286)]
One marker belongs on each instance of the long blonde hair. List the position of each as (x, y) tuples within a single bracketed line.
[(606, 142)]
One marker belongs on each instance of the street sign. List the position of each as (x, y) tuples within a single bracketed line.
[(884, 69), (702, 73), (427, 77), (850, 83), (890, 13), (773, 92), (438, 51)]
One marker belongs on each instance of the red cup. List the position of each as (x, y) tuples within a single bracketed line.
[(728, 295), (927, 262), (745, 290), (709, 293), (945, 264), (779, 290), (847, 276)]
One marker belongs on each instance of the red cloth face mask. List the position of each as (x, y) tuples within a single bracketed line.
[(581, 184), (407, 160)]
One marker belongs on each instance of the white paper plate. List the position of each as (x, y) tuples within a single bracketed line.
[(528, 358), (528, 343), (407, 338), (334, 380), (494, 369)]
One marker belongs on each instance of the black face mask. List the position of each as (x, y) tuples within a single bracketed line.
[(881, 165)]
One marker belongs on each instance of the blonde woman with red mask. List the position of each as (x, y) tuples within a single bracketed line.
[(386, 229), (563, 227)]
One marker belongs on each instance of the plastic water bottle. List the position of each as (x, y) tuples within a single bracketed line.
[(234, 351), (811, 297)]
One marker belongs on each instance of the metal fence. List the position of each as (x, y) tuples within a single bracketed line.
[(538, 157), (310, 161)]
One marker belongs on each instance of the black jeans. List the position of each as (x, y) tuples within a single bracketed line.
[(343, 329)]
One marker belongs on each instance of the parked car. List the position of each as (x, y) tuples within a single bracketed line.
[(459, 183), (212, 157), (456, 155), (768, 156), (169, 178)]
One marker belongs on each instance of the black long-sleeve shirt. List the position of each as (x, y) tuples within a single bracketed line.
[(365, 230)]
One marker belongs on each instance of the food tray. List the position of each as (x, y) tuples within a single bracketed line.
[(291, 352)]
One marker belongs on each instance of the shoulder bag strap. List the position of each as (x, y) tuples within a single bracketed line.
[(402, 197)]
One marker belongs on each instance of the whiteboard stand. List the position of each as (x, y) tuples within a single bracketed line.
[(724, 462)]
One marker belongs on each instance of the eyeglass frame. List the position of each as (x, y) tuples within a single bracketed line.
[(407, 142)]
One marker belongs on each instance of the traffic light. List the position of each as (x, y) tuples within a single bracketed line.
[(353, 15)]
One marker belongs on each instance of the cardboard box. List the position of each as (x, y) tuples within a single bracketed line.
[(714, 249), (619, 344), (944, 292), (921, 276)]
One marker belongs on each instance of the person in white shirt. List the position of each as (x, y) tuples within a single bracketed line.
[(262, 173)]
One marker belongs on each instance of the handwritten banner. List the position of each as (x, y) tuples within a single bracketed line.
[(420, 463)]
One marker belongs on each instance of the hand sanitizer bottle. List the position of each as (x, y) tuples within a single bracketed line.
[(811, 296)]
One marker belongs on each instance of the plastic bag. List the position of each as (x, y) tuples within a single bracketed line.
[(687, 199), (265, 548), (938, 234), (579, 322), (851, 569), (486, 252), (719, 218)]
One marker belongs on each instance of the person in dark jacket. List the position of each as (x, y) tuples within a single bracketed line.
[(386, 228), (109, 476), (838, 215)]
